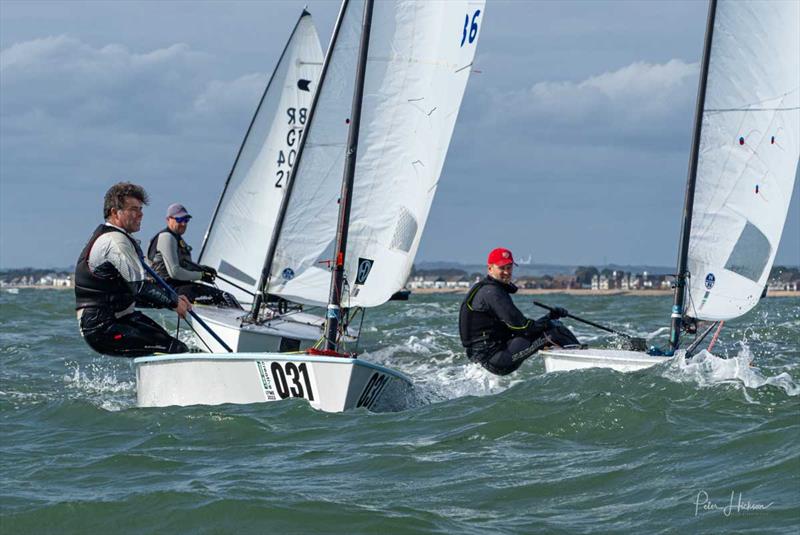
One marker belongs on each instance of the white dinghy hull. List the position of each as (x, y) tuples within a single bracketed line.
[(330, 384), (290, 332), (276, 335), (561, 360)]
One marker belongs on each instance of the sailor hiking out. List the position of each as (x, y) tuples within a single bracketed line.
[(494, 332), (110, 281), (171, 257)]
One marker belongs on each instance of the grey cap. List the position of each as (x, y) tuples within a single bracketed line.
[(177, 210)]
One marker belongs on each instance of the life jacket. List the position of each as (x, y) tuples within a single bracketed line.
[(480, 327), (157, 261), (105, 287)]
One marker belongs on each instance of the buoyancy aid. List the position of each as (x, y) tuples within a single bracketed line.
[(157, 261), (104, 287), (476, 326)]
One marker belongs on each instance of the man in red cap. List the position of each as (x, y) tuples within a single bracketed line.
[(494, 332)]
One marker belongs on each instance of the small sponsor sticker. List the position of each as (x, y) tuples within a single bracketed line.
[(287, 274), (266, 382), (364, 268), (710, 279)]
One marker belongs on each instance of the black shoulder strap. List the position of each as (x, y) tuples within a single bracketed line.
[(151, 249), (474, 292)]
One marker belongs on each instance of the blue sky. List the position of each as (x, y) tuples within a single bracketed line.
[(572, 143)]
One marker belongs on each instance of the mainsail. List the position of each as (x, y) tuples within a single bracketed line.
[(238, 237), (420, 57), (748, 155)]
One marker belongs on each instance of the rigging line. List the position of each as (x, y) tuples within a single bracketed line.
[(781, 97), (723, 110), (198, 336), (714, 338), (360, 325)]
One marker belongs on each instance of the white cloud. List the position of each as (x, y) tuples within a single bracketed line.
[(62, 81), (84, 116), (639, 103)]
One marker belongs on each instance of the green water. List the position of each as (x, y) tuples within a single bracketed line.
[(657, 451)]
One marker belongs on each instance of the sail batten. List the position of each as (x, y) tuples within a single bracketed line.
[(749, 149)]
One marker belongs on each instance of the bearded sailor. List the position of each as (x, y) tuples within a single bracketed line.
[(495, 333), (110, 281)]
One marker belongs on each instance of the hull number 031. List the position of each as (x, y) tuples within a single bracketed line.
[(292, 380), (373, 390)]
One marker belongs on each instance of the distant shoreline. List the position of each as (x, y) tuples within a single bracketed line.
[(522, 291), (575, 291)]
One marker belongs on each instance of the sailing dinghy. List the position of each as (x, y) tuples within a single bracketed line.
[(359, 195), (741, 175), (237, 240)]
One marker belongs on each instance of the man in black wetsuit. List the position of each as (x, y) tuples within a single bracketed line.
[(494, 332), (110, 281), (171, 257)]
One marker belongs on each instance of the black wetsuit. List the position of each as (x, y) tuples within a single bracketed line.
[(171, 257), (109, 282), (497, 335)]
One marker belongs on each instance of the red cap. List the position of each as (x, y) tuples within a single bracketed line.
[(500, 257)]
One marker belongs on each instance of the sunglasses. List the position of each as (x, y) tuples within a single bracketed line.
[(184, 219)]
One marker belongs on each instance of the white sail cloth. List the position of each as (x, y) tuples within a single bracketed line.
[(749, 147), (420, 57), (236, 243)]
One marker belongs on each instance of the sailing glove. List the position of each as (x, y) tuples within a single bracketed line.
[(558, 312)]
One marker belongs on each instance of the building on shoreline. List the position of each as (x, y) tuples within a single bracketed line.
[(36, 279), (585, 278)]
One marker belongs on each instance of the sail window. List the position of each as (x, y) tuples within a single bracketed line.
[(236, 273), (405, 232), (750, 254)]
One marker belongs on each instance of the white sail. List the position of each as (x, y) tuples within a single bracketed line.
[(238, 238), (420, 57), (749, 147)]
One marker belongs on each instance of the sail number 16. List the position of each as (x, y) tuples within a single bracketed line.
[(471, 27)]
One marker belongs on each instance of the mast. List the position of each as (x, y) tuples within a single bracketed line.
[(337, 275), (247, 134), (686, 226), (263, 280)]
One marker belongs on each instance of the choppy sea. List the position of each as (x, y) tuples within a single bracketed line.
[(709, 445)]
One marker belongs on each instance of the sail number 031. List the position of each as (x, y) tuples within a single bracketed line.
[(470, 28)]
